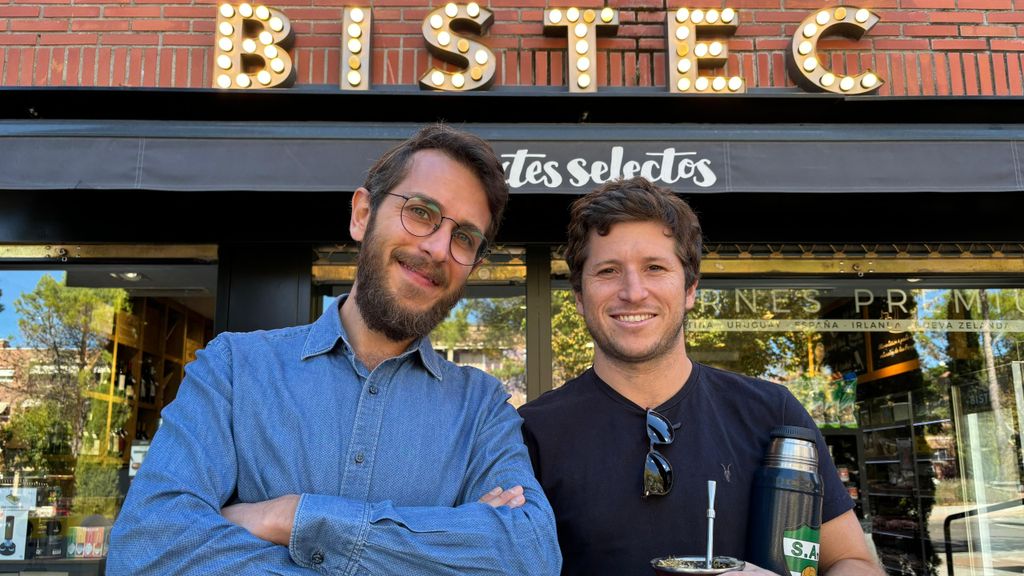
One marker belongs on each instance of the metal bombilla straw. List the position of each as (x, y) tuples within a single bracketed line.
[(711, 520)]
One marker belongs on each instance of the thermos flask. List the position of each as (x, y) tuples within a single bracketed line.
[(785, 505)]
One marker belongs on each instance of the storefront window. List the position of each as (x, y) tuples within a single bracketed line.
[(571, 345), (572, 348), (917, 387), (489, 334), (486, 329), (89, 355)]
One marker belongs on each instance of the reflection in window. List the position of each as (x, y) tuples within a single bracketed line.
[(486, 329), (571, 345), (489, 334), (928, 381), (86, 364)]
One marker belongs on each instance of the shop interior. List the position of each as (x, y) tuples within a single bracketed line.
[(89, 356), (915, 378)]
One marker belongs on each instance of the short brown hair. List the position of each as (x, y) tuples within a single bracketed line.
[(632, 200), (467, 149)]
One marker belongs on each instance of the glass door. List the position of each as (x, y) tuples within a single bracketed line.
[(984, 538)]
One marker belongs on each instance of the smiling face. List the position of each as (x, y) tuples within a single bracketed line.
[(634, 298), (405, 284)]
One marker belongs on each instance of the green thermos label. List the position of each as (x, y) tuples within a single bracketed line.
[(800, 547)]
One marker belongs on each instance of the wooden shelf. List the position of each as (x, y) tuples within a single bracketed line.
[(157, 333), (105, 397)]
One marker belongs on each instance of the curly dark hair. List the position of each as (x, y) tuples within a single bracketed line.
[(632, 200)]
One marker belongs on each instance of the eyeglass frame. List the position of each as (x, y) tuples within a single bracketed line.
[(482, 252), (653, 455)]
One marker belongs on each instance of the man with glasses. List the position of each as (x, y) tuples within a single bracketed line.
[(624, 451), (349, 446)]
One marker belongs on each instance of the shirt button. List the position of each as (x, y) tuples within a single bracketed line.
[(373, 390), (318, 557), (359, 458)]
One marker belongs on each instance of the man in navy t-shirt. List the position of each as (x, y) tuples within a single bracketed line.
[(621, 496)]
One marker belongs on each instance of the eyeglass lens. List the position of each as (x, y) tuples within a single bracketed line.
[(421, 217)]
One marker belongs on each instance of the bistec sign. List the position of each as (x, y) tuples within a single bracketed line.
[(252, 45)]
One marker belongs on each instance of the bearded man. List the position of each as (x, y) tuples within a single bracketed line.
[(349, 446)]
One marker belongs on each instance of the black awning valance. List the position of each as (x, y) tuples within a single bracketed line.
[(540, 159)]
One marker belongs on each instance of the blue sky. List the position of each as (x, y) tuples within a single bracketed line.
[(12, 284)]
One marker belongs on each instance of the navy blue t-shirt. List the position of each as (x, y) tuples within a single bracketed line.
[(589, 443)]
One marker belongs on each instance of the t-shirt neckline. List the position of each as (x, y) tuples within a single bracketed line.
[(692, 382)]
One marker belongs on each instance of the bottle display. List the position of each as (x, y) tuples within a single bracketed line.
[(122, 380), (129, 386), (148, 391)]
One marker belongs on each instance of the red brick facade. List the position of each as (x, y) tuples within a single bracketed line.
[(920, 47)]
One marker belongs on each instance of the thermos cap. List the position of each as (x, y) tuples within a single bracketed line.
[(792, 447)]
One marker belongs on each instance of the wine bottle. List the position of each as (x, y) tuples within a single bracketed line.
[(121, 380)]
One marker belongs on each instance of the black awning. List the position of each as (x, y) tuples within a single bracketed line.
[(541, 158)]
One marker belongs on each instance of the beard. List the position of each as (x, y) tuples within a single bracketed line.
[(616, 350), (381, 307)]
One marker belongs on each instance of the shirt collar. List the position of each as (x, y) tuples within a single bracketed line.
[(325, 333)]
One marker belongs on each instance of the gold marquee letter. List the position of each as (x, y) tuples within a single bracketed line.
[(802, 60), (252, 48), (582, 28), (355, 49), (465, 53), (686, 55)]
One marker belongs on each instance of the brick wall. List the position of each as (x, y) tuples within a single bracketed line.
[(921, 47)]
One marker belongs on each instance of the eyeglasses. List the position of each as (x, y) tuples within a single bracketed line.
[(422, 217), (657, 470)]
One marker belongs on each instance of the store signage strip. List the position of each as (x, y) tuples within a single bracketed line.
[(252, 44), (848, 325), (573, 163)]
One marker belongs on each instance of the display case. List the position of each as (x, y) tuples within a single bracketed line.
[(905, 452), (149, 346), (59, 521), (846, 448)]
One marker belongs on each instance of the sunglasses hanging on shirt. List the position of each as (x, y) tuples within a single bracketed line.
[(657, 470)]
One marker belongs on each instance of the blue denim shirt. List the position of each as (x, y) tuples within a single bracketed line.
[(389, 463)]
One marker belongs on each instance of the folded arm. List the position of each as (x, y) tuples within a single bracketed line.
[(171, 521), (482, 535), (273, 520)]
